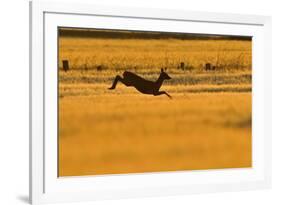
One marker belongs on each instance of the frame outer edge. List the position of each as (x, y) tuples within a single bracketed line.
[(30, 101), (36, 104), (268, 100), (36, 13)]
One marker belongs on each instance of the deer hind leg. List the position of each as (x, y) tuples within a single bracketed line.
[(161, 93), (116, 80)]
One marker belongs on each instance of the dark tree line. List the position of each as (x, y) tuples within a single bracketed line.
[(120, 34)]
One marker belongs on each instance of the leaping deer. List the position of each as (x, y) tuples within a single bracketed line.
[(141, 84)]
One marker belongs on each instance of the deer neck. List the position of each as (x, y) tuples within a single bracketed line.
[(159, 82)]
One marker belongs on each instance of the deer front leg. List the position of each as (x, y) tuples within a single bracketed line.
[(161, 93)]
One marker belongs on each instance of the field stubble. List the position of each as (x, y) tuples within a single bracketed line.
[(189, 132)]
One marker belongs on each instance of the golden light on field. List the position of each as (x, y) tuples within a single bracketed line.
[(207, 124)]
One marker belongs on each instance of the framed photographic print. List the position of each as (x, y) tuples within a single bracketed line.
[(129, 102)]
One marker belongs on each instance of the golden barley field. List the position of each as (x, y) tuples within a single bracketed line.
[(206, 125)]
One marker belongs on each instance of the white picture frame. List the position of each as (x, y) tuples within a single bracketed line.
[(45, 186)]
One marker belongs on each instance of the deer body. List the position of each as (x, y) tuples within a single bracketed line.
[(142, 85)]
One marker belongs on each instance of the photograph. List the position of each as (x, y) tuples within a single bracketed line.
[(136, 102)]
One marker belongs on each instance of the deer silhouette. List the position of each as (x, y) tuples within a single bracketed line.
[(142, 85)]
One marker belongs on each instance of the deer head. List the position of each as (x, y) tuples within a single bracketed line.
[(164, 75)]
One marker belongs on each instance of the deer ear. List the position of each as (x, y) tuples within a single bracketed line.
[(162, 70)]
